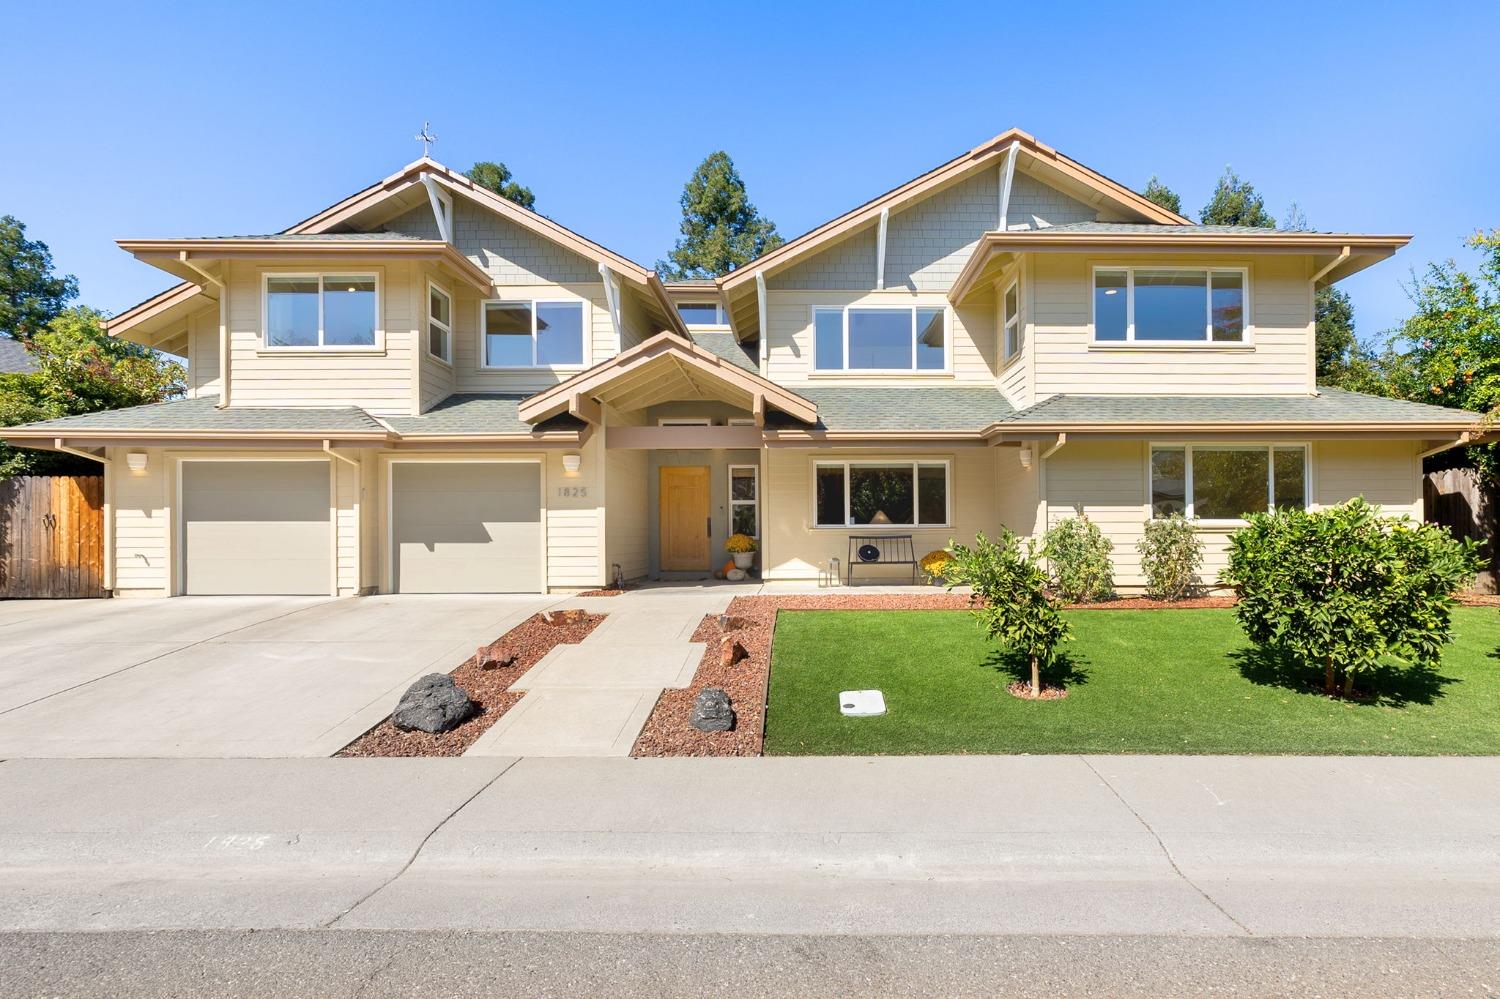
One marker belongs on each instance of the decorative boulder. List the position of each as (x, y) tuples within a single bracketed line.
[(712, 711), (433, 704), (494, 657)]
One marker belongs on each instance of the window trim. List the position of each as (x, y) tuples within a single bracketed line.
[(585, 333), (1130, 342), (684, 421), (1229, 522), (721, 318), (1005, 324), (377, 347), (911, 372), (846, 465), (447, 327), (755, 475)]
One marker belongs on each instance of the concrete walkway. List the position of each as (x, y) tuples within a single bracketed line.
[(593, 698), (1165, 846)]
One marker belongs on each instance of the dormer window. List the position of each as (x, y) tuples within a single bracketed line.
[(1177, 305), (316, 311), (702, 314)]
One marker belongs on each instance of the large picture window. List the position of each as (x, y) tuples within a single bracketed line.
[(1170, 305), (882, 494), (320, 310), (533, 334), (1226, 482), (880, 339)]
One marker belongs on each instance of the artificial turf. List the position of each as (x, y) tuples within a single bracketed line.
[(1148, 681)]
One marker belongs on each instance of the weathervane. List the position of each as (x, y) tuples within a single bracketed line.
[(426, 138)]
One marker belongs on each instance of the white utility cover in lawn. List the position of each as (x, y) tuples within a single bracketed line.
[(861, 703), (467, 526)]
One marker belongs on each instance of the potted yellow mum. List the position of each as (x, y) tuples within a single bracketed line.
[(935, 565), (742, 548)]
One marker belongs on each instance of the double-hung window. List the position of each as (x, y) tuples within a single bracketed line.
[(1010, 318), (439, 323), (881, 494), (532, 334), (321, 310), (744, 500), (860, 338), (1225, 482), (1171, 305), (702, 314)]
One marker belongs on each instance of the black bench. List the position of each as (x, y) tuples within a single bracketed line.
[(882, 549)]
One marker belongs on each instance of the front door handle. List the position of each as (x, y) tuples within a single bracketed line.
[(710, 522)]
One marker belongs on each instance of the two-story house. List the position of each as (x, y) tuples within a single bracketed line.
[(428, 388)]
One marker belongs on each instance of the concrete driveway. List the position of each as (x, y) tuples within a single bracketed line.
[(225, 676)]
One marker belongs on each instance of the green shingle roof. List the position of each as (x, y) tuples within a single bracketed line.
[(1329, 406), (895, 408), (203, 414), (475, 413), (725, 345), (14, 358)]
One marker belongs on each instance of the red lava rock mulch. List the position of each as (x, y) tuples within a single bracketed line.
[(530, 640), (1022, 689), (1479, 599)]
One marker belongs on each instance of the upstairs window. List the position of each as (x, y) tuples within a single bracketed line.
[(911, 339), (702, 314), (533, 334), (1010, 317), (439, 323), (1223, 482), (320, 310), (1170, 305)]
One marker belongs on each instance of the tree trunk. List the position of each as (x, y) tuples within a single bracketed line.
[(1036, 679), (1330, 684), (1349, 683)]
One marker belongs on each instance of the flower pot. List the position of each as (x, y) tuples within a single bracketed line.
[(743, 560)]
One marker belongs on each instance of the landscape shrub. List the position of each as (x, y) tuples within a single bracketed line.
[(1078, 554), (1015, 607), (1171, 555), (1342, 588)]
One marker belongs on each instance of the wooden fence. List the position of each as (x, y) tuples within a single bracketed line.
[(1455, 498), (52, 536)]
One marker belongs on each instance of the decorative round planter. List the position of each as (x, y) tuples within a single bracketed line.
[(743, 560)]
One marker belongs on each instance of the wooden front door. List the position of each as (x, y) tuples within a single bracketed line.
[(52, 536), (685, 528)]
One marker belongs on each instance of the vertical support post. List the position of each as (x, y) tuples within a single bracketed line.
[(765, 332)]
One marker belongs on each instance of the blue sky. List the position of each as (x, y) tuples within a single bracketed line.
[(168, 120)]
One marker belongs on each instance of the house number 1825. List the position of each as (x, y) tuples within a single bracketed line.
[(572, 492)]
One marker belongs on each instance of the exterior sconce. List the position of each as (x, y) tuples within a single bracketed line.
[(136, 461), (1025, 456), (572, 463)]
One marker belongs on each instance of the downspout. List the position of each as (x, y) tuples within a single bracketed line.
[(1312, 313), (109, 513), (223, 325)]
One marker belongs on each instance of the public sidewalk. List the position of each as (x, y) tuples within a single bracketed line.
[(1206, 846)]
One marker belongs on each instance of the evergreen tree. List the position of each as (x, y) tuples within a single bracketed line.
[(1236, 202), (497, 177), (31, 296), (1160, 194), (721, 229)]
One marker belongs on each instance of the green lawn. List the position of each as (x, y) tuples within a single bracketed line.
[(1176, 681)]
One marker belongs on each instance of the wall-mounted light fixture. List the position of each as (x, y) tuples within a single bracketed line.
[(1025, 456), (136, 461), (572, 463)]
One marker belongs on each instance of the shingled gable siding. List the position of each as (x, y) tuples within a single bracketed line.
[(377, 380), (1066, 361), (524, 265)]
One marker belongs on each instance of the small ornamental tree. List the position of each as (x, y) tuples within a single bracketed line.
[(1014, 606), (1078, 553), (1343, 587), (1171, 555)]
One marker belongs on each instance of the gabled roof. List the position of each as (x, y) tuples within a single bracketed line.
[(1040, 156), (203, 415), (947, 408)]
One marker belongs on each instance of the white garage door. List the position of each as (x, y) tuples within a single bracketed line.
[(255, 527), (466, 526)]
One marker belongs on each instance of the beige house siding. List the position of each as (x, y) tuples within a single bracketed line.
[(348, 504), (379, 380), (575, 519), (203, 352), (512, 254), (1278, 361), (139, 508), (790, 357), (627, 510), (792, 548)]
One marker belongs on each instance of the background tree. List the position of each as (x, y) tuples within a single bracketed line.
[(1161, 194), (721, 229), (497, 177), (1236, 202), (1338, 350), (31, 295), (82, 369)]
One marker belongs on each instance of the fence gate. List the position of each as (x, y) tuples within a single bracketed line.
[(52, 536)]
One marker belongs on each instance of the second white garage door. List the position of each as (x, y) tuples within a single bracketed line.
[(466, 527)]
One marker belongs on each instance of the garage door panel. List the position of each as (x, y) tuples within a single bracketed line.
[(467, 527), (258, 527)]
